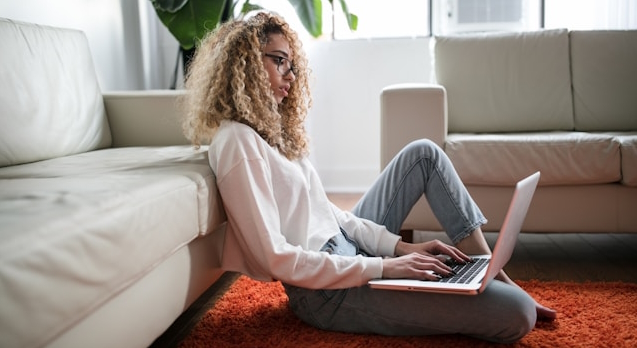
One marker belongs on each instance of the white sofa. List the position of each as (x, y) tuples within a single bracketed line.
[(505, 105), (107, 215)]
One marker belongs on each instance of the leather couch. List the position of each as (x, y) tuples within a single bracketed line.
[(504, 105), (107, 215)]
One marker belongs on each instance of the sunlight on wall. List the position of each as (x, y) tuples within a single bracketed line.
[(380, 19), (285, 9)]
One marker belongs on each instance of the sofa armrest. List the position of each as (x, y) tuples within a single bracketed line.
[(410, 112), (145, 118)]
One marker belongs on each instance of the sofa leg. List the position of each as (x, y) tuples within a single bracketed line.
[(408, 235)]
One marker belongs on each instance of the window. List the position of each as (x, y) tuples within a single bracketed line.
[(418, 18), (458, 16), (590, 14), (383, 19)]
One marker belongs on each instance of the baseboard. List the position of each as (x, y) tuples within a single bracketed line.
[(182, 326), (348, 180)]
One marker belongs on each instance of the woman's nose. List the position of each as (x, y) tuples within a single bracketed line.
[(290, 76)]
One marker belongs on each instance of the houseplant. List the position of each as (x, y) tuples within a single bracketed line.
[(190, 20)]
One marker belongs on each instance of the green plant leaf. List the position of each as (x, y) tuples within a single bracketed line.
[(248, 7), (352, 19), (190, 23), (171, 6), (310, 12), (190, 20)]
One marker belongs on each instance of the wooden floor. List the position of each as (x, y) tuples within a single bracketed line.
[(577, 257)]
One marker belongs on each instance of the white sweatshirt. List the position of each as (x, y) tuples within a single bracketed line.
[(279, 217)]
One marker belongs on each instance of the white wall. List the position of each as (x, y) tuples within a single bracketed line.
[(344, 123), (110, 26), (131, 49)]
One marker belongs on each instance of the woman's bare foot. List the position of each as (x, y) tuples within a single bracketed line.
[(543, 312)]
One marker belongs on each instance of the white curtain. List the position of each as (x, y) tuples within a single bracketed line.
[(622, 14), (591, 14), (159, 50)]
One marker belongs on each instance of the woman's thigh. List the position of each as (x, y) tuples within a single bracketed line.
[(503, 313)]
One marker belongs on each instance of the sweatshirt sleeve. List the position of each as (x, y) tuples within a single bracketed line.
[(246, 188), (375, 239)]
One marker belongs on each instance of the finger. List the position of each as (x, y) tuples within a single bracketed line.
[(454, 253), (462, 257), (429, 275), (442, 258), (457, 255), (439, 247), (433, 264), (432, 261), (444, 270)]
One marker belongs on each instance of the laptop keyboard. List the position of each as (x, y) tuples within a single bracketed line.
[(466, 272)]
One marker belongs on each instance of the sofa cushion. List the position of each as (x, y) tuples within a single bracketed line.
[(628, 148), (50, 100), (604, 72), (87, 226), (564, 158), (506, 82)]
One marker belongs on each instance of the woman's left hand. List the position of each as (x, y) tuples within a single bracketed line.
[(431, 248)]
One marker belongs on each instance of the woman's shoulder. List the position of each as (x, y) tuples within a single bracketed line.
[(234, 128), (237, 140), (231, 132)]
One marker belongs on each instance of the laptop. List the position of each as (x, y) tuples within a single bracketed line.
[(473, 277)]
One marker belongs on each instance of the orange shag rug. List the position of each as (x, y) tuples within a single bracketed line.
[(256, 314)]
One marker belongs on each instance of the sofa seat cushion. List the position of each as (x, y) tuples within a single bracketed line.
[(78, 230), (628, 146), (564, 158)]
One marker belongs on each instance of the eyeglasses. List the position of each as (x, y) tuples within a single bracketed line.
[(283, 65)]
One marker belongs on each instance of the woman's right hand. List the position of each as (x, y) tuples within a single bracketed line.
[(415, 266)]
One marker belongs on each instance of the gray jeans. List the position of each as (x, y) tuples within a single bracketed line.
[(503, 313)]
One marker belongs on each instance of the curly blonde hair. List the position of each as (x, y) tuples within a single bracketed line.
[(228, 81)]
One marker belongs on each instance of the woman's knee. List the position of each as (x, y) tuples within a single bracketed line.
[(423, 144), (519, 314), (421, 148)]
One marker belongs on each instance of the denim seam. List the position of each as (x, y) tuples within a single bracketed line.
[(420, 162), (471, 226), (394, 194)]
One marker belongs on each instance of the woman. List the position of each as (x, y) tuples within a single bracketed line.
[(249, 93)]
